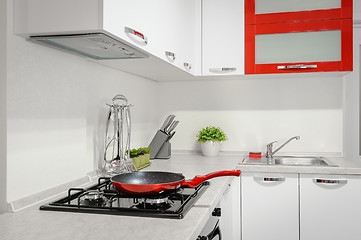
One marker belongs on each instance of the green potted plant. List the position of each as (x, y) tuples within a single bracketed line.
[(210, 139), (146, 152), (135, 156)]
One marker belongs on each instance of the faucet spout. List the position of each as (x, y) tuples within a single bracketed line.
[(270, 153)]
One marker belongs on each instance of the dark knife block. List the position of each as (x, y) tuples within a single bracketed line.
[(160, 146)]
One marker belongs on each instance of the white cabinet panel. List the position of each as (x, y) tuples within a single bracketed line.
[(222, 37), (231, 211), (169, 26), (269, 206), (330, 207), (143, 16)]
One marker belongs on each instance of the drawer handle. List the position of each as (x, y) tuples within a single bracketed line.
[(222, 70), (299, 66), (269, 179), (136, 33), (170, 55), (329, 181), (187, 66)]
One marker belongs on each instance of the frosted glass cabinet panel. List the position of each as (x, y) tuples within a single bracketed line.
[(310, 46), (276, 6), (298, 47), (278, 11)]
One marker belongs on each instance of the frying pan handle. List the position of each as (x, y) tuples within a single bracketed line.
[(199, 179)]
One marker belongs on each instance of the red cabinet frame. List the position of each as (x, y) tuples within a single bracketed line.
[(302, 21), (337, 13), (345, 25)]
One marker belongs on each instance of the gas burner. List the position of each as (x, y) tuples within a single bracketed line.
[(155, 203), (92, 198), (156, 200), (102, 198)]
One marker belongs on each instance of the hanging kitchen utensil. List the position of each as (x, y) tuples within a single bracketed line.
[(148, 183), (117, 137)]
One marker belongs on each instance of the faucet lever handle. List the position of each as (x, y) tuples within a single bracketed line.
[(271, 144), (269, 149)]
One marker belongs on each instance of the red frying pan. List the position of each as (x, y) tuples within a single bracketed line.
[(156, 182)]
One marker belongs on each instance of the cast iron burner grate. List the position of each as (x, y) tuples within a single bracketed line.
[(103, 198)]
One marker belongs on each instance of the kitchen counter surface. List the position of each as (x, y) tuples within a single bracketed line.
[(32, 223)]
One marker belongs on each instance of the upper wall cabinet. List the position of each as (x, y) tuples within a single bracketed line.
[(162, 29), (222, 37), (284, 36)]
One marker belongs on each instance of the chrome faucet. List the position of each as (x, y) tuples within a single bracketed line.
[(270, 153)]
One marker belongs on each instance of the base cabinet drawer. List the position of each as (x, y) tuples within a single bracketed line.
[(269, 206), (330, 207)]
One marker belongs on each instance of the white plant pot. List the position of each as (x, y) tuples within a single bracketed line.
[(210, 148)]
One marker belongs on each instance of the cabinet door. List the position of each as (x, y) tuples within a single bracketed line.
[(311, 46), (230, 222), (163, 28), (222, 37), (269, 206), (185, 34), (330, 207), (276, 11)]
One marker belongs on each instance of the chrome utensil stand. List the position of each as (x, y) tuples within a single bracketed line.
[(117, 137)]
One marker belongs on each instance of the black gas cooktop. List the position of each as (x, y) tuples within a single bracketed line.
[(103, 198)]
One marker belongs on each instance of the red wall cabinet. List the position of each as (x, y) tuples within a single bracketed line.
[(281, 37)]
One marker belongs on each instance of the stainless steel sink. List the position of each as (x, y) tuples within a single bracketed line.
[(303, 161)]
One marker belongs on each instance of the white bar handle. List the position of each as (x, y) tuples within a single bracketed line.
[(330, 181), (136, 33), (223, 69), (187, 66), (269, 179), (170, 55), (299, 66)]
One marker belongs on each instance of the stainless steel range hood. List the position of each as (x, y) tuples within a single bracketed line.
[(94, 45)]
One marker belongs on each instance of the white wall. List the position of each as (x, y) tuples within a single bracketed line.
[(2, 106), (56, 114), (357, 10), (254, 112), (352, 102)]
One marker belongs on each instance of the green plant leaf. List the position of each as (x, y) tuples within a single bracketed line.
[(211, 133)]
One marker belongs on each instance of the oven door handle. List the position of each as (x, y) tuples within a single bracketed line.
[(215, 232)]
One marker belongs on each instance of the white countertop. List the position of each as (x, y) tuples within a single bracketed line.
[(32, 223)]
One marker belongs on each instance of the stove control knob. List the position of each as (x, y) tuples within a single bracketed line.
[(216, 212)]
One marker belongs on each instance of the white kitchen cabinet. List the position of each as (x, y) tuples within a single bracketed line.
[(154, 27), (231, 211), (330, 207), (269, 206), (222, 37), (169, 26)]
